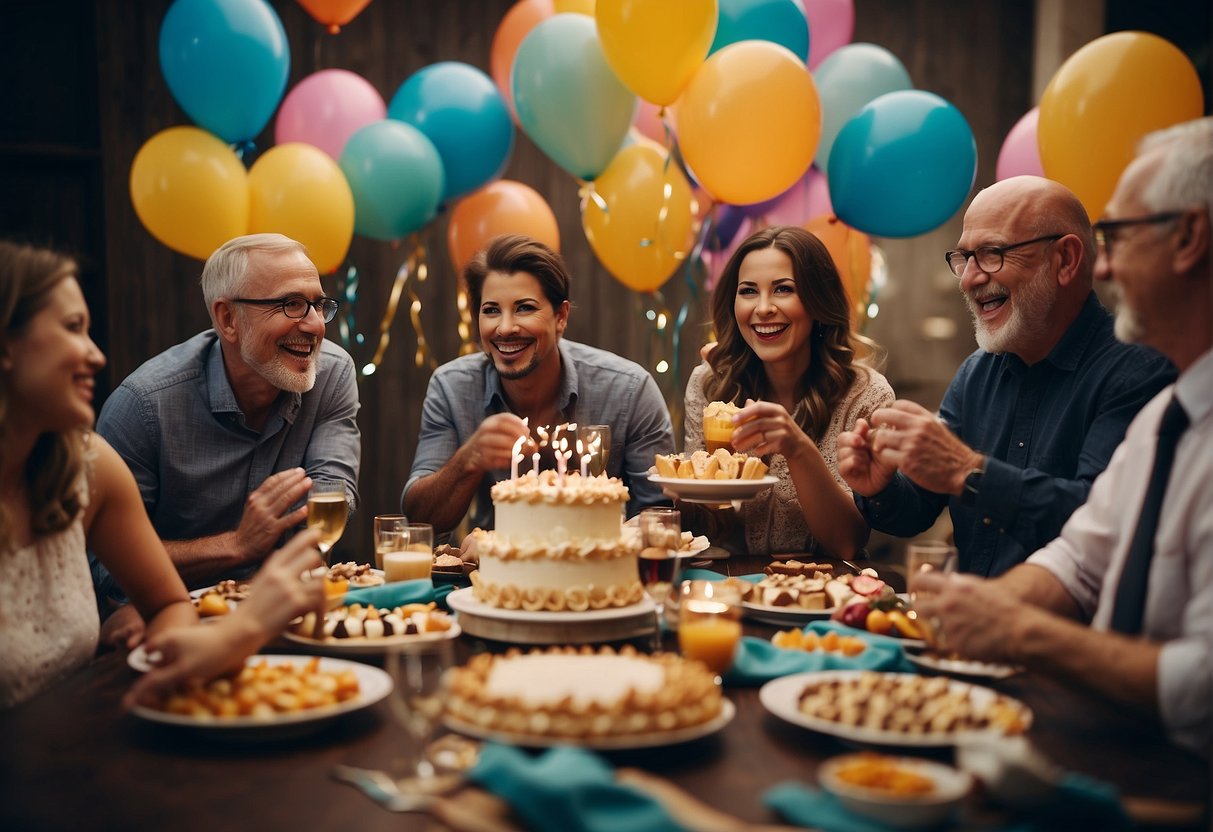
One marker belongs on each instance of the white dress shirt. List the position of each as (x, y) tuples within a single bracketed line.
[(1090, 554)]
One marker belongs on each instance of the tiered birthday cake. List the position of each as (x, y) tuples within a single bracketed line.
[(559, 545)]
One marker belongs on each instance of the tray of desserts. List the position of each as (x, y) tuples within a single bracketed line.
[(545, 627)]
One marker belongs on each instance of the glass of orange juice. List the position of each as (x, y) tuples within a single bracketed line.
[(709, 623)]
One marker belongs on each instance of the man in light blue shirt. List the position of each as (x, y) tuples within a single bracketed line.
[(225, 432), (475, 405)]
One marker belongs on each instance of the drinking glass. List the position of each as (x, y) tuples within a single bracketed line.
[(660, 566), (596, 441), (386, 523), (927, 556), (327, 512), (709, 623), (409, 555), (417, 701)]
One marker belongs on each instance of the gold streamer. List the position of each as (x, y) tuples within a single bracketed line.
[(467, 343), (414, 263)]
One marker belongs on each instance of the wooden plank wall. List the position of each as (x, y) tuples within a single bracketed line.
[(94, 64)]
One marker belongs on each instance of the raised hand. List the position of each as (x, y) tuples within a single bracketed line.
[(915, 441), (268, 513), (861, 469)]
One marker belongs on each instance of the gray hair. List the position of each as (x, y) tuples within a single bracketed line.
[(1184, 177), (225, 270)]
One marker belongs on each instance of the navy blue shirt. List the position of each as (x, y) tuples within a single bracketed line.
[(1047, 431)]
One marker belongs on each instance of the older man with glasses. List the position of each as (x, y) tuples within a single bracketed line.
[(1033, 416), (225, 431), (1122, 602)]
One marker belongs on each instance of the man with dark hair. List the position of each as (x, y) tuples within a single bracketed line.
[(475, 405), (1032, 416)]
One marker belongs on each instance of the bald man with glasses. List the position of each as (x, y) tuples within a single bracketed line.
[(1031, 417), (225, 431)]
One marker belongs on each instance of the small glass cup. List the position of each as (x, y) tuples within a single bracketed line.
[(595, 441), (387, 523), (417, 701), (928, 556), (327, 512), (411, 556), (660, 566), (709, 623)]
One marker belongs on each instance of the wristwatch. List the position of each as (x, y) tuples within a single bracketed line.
[(972, 486)]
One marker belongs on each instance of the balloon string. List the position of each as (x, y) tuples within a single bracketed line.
[(658, 313), (462, 302), (688, 274), (414, 262), (422, 356), (667, 193)]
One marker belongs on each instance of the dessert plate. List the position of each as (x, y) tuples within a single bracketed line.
[(373, 685), (372, 646), (781, 697), (713, 491), (783, 616), (464, 600), (962, 667), (632, 741)]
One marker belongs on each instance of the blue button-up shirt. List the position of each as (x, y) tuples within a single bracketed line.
[(176, 423), (596, 387), (1047, 431)]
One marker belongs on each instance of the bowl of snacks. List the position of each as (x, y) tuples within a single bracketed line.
[(904, 792)]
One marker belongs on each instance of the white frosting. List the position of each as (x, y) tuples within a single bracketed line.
[(543, 679), (545, 573), (527, 525)]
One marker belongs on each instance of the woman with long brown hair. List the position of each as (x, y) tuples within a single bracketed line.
[(788, 355), (63, 488)]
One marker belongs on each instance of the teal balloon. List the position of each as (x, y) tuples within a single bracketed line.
[(461, 111), (849, 78), (567, 98), (903, 165), (226, 63), (396, 175), (779, 21)]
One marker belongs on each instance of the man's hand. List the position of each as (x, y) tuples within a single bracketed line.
[(493, 442), (268, 515), (969, 616), (861, 469), (914, 440)]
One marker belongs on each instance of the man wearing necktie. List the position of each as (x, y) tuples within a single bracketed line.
[(1122, 602)]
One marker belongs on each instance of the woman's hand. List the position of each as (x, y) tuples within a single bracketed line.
[(282, 591), (767, 428)]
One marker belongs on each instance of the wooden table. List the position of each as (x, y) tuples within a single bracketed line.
[(71, 758)]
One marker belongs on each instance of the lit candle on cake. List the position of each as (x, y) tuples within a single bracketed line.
[(585, 458), (542, 432), (516, 457)]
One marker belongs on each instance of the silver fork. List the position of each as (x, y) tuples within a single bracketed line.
[(381, 788)]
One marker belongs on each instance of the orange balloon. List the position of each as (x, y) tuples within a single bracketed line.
[(336, 13), (749, 122), (851, 251), (522, 17), (501, 207), (1102, 100)]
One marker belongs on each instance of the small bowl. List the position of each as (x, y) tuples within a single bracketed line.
[(903, 811)]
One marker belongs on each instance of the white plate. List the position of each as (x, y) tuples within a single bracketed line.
[(371, 646), (781, 697), (138, 659), (781, 616), (713, 491), (463, 600), (631, 741), (373, 686), (962, 667)]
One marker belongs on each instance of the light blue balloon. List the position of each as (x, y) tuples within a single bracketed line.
[(459, 109), (226, 63), (396, 175), (903, 165), (777, 21), (568, 99), (848, 78)]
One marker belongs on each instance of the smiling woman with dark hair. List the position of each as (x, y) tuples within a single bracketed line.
[(787, 355)]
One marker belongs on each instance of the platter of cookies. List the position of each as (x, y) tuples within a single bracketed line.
[(711, 478), (358, 630)]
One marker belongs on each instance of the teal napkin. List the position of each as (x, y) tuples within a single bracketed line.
[(397, 594), (709, 575), (759, 661), (567, 790)]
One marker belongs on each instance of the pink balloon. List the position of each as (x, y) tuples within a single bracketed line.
[(326, 108), (717, 260), (831, 25), (808, 198), (1020, 154), (649, 123)]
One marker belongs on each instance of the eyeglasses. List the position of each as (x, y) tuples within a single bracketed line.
[(1106, 230), (989, 258), (297, 307)]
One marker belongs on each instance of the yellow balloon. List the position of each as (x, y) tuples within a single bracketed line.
[(655, 46), (749, 122), (190, 191), (641, 231), (1102, 100), (585, 7), (298, 190)]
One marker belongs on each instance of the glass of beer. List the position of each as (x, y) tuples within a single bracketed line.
[(327, 511), (718, 426), (596, 441), (412, 557), (709, 623), (660, 539), (387, 523)]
